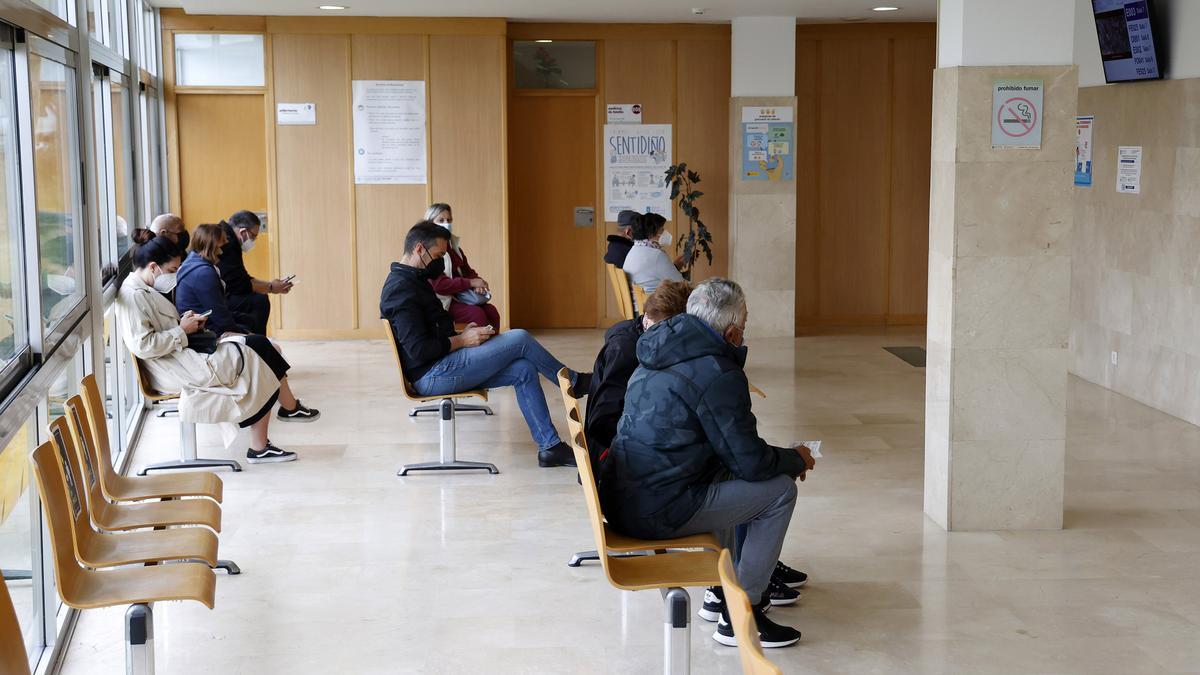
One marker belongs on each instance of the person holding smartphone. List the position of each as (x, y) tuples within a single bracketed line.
[(247, 295)]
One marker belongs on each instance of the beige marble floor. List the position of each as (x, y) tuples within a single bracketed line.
[(349, 569)]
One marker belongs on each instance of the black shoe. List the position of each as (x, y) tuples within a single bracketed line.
[(770, 634), (269, 454), (790, 577), (779, 594), (559, 455), (714, 604), (300, 413), (583, 382)]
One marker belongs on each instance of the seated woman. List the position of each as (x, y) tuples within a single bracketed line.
[(458, 278), (200, 289), (647, 264)]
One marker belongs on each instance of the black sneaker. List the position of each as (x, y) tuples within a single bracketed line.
[(790, 577), (714, 604), (269, 454), (301, 413), (559, 455), (770, 634), (779, 594), (583, 383)]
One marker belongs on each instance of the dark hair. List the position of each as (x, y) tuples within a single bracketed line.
[(669, 299), (244, 220), (426, 234), (647, 225), (149, 248), (207, 239)]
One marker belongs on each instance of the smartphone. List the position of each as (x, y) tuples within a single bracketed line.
[(289, 278), (205, 314)]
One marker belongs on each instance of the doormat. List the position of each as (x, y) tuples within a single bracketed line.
[(913, 356)]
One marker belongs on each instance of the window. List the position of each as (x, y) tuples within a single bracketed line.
[(113, 163), (99, 20), (543, 64), (153, 202), (219, 60), (63, 9), (149, 40), (14, 331), (56, 181), (17, 521)]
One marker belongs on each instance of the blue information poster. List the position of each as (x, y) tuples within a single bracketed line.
[(768, 143), (1084, 124)]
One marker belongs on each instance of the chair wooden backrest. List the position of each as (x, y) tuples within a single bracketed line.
[(411, 393), (97, 424), (584, 463), (76, 485), (13, 660), (148, 389), (86, 454), (639, 298), (620, 286), (742, 619), (55, 488)]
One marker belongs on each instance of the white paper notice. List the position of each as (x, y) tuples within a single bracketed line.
[(292, 114), (1129, 169), (636, 158), (624, 113), (389, 132)]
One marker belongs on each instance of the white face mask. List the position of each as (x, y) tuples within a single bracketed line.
[(444, 224), (165, 282), (665, 239), (247, 245)]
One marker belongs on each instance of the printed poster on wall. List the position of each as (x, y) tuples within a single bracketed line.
[(1084, 125), (636, 158), (389, 132), (1017, 114), (1129, 169), (767, 147)]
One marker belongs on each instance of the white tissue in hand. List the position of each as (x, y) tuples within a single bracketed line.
[(814, 447)]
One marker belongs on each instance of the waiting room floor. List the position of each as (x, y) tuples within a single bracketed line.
[(349, 569)]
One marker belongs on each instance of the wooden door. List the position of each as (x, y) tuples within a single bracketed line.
[(223, 164), (553, 264)]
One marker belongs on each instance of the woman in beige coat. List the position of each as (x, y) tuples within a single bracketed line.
[(238, 383)]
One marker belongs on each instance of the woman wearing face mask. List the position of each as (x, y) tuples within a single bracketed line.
[(236, 384), (647, 263), (463, 293)]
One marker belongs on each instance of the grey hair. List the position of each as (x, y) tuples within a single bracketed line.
[(718, 302), (435, 209)]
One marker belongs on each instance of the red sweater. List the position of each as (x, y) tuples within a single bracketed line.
[(461, 275)]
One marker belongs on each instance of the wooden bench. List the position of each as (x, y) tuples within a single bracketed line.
[(620, 286)]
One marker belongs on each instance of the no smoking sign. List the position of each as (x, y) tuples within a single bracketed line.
[(1017, 114)]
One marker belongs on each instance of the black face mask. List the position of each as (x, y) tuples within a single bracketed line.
[(435, 269), (184, 240)]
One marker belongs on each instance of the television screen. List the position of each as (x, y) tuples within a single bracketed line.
[(1126, 40)]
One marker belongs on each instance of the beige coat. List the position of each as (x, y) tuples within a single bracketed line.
[(228, 385)]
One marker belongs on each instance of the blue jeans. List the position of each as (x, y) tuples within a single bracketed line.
[(512, 358)]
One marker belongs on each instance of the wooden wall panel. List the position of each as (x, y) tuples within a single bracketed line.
[(467, 124), (702, 140), (912, 112), (313, 174), (384, 212), (854, 175), (808, 139)]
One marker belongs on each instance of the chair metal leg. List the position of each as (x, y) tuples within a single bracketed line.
[(188, 459), (578, 559), (677, 632), (458, 407), (449, 461), (231, 568), (139, 640)]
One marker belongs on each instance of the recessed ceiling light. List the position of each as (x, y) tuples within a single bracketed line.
[(884, 9), (332, 7), (544, 41)]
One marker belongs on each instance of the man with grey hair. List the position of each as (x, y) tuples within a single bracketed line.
[(687, 458), (171, 226)]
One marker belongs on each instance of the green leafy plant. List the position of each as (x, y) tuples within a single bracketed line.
[(547, 65), (698, 239)]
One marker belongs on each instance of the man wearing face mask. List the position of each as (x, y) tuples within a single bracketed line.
[(687, 457), (247, 295), (171, 226), (437, 360)]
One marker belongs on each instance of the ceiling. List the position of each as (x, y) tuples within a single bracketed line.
[(617, 11)]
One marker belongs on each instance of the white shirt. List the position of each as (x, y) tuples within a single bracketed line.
[(648, 266)]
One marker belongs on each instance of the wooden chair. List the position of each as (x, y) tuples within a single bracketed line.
[(98, 549), (84, 588), (620, 286), (639, 297), (128, 516), (187, 432), (447, 407), (119, 488), (13, 660), (671, 572), (742, 620)]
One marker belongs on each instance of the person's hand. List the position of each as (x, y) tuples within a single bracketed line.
[(192, 322), (473, 335), (479, 284), (280, 286), (679, 262), (809, 462)]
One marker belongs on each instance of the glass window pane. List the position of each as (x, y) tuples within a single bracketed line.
[(97, 21), (55, 163), (61, 8), (554, 65), (122, 165), (112, 379), (150, 63), (210, 60), (14, 334), (16, 542)]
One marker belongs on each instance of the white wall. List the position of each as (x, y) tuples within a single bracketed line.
[(1005, 33), (764, 56), (1182, 37)]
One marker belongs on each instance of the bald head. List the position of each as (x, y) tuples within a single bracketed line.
[(169, 225)]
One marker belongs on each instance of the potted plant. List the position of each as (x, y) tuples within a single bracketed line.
[(698, 239)]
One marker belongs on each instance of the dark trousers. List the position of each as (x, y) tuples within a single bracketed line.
[(251, 311)]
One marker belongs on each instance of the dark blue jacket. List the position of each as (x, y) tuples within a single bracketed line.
[(198, 288), (687, 421)]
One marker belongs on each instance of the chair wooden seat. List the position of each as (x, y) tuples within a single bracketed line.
[(687, 569), (620, 286), (117, 517), (417, 398), (620, 543), (187, 432)]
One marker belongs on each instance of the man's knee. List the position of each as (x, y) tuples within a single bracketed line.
[(785, 489), (523, 370), (519, 334)]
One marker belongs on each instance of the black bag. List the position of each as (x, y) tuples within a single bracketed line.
[(203, 341)]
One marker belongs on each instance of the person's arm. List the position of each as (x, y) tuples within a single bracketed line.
[(607, 402), (732, 430), (145, 341), (205, 286), (444, 285), (666, 269), (465, 270)]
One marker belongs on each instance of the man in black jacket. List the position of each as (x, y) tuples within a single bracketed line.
[(247, 296), (437, 360), (687, 457), (620, 243)]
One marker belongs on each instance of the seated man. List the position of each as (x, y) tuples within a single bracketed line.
[(620, 243), (437, 360), (687, 457), (171, 226), (247, 295)]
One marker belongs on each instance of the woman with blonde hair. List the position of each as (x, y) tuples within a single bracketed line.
[(464, 294)]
